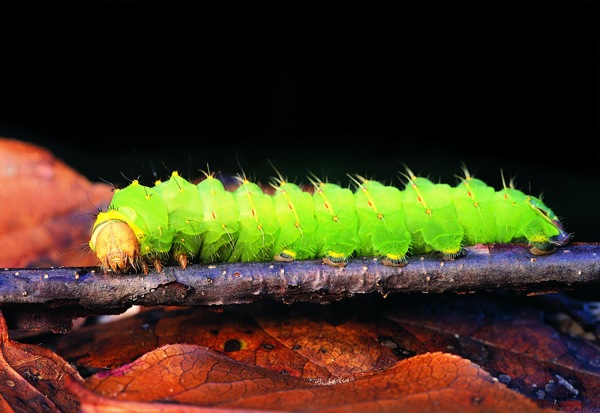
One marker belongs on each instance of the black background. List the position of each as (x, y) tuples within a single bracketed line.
[(134, 89)]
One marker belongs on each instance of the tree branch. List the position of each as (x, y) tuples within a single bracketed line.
[(50, 298)]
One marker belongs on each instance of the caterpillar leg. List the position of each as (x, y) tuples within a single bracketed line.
[(390, 246), (341, 260), (449, 256), (335, 259), (546, 247), (549, 247), (303, 248), (543, 249), (144, 267), (285, 256), (338, 247), (183, 260), (158, 266), (392, 260), (155, 260)]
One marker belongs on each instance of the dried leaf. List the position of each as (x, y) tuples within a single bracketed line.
[(193, 375), (93, 403), (301, 341), (513, 342), (32, 377), (232, 332), (506, 337), (47, 208)]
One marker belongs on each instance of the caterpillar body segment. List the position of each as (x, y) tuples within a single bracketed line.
[(219, 229), (474, 202), (382, 228), (337, 223), (257, 222), (184, 208), (431, 218), (180, 222), (295, 214)]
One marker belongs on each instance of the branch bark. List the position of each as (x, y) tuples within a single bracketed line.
[(49, 298)]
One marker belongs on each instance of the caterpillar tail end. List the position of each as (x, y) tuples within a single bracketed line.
[(116, 246)]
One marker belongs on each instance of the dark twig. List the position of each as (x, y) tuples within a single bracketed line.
[(50, 298)]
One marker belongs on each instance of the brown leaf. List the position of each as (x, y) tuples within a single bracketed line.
[(194, 375), (512, 341), (343, 343), (32, 377), (47, 208), (302, 341), (232, 332), (506, 337), (93, 403)]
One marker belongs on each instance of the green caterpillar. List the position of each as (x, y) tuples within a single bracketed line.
[(177, 221)]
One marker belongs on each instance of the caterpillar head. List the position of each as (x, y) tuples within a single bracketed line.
[(114, 242)]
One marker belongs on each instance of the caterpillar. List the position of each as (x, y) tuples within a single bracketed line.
[(176, 221)]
